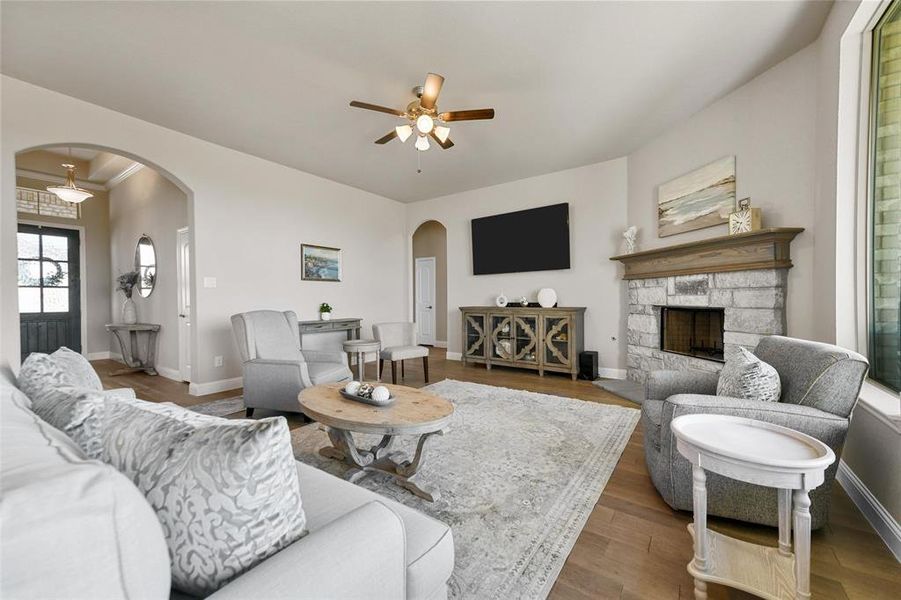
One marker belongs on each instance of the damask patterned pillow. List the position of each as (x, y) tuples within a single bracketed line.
[(44, 372), (746, 376), (78, 412), (225, 491)]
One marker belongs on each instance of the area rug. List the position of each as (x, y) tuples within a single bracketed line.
[(220, 408), (519, 474), (630, 390)]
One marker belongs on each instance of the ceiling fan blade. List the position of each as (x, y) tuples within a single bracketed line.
[(467, 115), (377, 108), (444, 145), (387, 137), (430, 90)]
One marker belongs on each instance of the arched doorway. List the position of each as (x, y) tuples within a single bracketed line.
[(430, 283), (69, 255)]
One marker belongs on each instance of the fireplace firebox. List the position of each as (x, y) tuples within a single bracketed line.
[(692, 331)]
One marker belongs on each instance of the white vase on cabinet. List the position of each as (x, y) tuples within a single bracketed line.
[(129, 312), (547, 297)]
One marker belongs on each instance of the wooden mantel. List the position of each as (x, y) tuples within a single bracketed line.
[(763, 249)]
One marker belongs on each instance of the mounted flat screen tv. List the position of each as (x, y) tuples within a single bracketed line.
[(527, 240)]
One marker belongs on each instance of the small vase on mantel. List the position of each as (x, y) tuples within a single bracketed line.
[(129, 312)]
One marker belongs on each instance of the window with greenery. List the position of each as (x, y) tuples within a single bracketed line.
[(885, 202)]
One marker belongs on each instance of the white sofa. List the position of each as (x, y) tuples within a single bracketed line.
[(75, 528)]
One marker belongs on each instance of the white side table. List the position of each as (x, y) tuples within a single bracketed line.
[(763, 454), (360, 348)]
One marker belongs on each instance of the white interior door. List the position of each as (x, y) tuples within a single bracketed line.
[(425, 299), (184, 303)]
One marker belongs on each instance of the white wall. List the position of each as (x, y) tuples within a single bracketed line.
[(769, 124), (148, 203), (596, 195), (248, 217)]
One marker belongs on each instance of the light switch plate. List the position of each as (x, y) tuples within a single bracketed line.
[(209, 282)]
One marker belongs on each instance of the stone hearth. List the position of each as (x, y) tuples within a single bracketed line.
[(753, 301)]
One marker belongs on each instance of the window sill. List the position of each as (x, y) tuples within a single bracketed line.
[(882, 403)]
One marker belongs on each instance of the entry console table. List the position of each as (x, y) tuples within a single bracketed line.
[(543, 339), (763, 454), (138, 356)]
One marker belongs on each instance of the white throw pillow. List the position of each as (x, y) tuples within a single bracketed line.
[(746, 376), (225, 491)]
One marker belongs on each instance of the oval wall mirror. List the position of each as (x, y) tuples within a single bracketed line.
[(145, 265)]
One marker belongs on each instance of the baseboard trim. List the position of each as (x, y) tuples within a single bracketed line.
[(212, 387), (609, 373), (98, 355), (454, 355), (882, 521), (440, 344), (173, 374)]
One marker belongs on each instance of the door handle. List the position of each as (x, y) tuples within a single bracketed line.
[(183, 316), (429, 307)]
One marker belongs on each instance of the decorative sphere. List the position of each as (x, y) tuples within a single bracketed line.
[(381, 393), (352, 387), (365, 390)]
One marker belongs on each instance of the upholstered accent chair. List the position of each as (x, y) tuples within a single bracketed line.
[(820, 386), (275, 368), (399, 343)]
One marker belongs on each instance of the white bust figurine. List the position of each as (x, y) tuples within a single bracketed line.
[(629, 235)]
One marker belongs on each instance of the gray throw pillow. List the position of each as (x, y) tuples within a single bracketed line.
[(78, 412), (225, 491), (43, 372), (746, 376)]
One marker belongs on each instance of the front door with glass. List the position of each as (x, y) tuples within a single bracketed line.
[(49, 289)]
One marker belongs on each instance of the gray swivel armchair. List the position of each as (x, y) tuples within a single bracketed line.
[(275, 368), (820, 386)]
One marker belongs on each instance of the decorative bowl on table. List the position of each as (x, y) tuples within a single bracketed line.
[(364, 392)]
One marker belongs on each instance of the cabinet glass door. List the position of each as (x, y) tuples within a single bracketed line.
[(526, 329), (501, 337), (475, 335), (557, 337)]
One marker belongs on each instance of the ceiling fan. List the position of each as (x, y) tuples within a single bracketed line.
[(423, 116)]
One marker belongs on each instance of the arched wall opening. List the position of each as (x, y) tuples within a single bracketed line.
[(133, 199), (429, 282)]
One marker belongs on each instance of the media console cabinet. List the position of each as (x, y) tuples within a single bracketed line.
[(542, 339)]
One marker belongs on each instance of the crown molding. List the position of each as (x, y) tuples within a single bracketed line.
[(57, 179), (123, 175)]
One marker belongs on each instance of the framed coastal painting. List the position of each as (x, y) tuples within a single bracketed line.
[(320, 263), (702, 198)]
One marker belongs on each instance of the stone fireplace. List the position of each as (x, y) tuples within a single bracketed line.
[(753, 304), (739, 282)]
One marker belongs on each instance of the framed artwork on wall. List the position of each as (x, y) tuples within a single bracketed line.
[(320, 263), (703, 198)]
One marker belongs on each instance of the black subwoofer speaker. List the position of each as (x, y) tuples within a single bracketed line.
[(588, 365)]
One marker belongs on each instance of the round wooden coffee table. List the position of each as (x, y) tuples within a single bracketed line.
[(414, 412)]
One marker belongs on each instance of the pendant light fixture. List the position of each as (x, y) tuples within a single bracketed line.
[(70, 192)]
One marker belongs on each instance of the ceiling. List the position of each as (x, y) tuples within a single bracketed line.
[(572, 83), (102, 169)]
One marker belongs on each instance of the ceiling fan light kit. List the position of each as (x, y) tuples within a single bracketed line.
[(422, 114)]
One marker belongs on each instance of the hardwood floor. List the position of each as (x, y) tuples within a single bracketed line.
[(633, 545)]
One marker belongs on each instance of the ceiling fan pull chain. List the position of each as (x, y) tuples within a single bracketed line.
[(419, 162)]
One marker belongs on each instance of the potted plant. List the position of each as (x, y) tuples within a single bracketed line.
[(126, 283), (325, 311)]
